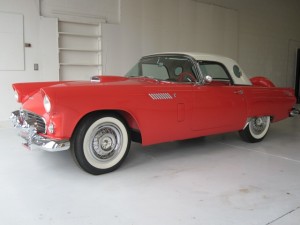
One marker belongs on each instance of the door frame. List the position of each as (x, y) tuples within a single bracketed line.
[(297, 82)]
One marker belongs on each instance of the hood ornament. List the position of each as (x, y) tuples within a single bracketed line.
[(95, 79)]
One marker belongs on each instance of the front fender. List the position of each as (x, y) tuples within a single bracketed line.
[(25, 90)]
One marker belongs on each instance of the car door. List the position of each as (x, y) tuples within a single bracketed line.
[(219, 106)]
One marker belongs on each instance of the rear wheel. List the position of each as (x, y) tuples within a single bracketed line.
[(256, 129), (100, 143)]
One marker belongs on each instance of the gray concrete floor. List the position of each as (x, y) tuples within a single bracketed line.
[(211, 181)]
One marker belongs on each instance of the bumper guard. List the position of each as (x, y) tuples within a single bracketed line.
[(294, 112), (33, 141)]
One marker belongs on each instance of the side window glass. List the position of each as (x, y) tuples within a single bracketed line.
[(215, 70), (181, 69), (237, 72)]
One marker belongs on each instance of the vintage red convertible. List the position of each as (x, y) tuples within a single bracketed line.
[(164, 97)]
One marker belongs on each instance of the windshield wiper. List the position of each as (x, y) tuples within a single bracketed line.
[(152, 78)]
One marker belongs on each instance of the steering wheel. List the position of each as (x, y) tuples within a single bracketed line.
[(186, 77)]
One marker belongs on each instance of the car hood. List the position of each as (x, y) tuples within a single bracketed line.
[(110, 83)]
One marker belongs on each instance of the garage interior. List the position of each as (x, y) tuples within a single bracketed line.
[(209, 180)]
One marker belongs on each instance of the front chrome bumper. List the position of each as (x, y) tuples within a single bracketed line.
[(294, 112), (33, 141)]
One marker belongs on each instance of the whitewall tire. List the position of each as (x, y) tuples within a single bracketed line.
[(256, 130), (101, 143)]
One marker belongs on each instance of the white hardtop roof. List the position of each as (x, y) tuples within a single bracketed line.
[(200, 56), (206, 56), (227, 62)]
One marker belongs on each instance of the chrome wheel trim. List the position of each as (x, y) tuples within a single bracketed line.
[(105, 142), (259, 126)]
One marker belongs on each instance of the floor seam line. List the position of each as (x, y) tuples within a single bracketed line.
[(265, 153), (283, 215)]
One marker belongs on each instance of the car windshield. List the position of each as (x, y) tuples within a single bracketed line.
[(165, 68)]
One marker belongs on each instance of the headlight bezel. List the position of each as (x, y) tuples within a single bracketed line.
[(47, 103), (17, 96)]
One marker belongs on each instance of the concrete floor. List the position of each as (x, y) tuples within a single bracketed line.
[(211, 181)]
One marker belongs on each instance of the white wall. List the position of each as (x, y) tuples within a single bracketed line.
[(266, 42), (41, 33), (269, 36), (108, 10), (269, 33), (149, 26), (262, 35), (30, 10)]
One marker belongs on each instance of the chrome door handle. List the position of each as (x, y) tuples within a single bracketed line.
[(239, 92)]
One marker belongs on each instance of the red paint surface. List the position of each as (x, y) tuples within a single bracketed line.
[(189, 111)]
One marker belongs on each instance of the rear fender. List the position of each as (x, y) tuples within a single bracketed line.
[(261, 82)]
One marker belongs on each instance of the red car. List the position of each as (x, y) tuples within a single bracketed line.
[(164, 97)]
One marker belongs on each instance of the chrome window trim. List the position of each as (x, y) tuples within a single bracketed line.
[(198, 74)]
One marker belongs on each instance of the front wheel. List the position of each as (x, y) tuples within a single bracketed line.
[(100, 143), (256, 129)]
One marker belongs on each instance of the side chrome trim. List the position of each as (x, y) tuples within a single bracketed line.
[(34, 141)]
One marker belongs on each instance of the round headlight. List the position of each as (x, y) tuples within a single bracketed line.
[(17, 96), (47, 104)]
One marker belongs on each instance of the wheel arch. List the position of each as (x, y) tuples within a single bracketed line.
[(129, 120)]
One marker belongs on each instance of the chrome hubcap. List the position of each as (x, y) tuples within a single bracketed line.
[(106, 141), (258, 125), (259, 122)]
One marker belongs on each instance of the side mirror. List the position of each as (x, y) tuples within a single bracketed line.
[(208, 79)]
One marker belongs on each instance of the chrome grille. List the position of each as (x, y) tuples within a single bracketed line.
[(37, 121)]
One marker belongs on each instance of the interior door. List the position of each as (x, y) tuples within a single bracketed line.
[(219, 108)]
